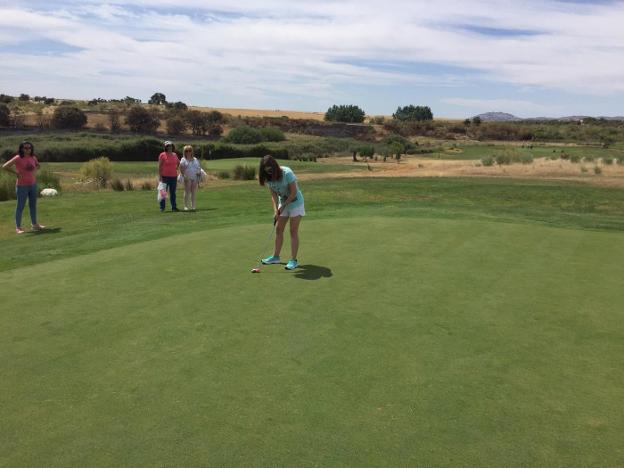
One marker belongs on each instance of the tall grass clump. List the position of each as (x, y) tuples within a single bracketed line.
[(47, 179), (597, 170), (147, 186), (526, 159), (98, 170), (128, 186), (224, 174), (244, 173), (7, 186), (608, 161), (487, 161), (575, 158), (117, 185), (503, 159)]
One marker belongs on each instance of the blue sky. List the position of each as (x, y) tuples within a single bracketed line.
[(530, 58)]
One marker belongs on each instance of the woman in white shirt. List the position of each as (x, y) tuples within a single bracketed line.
[(191, 172)]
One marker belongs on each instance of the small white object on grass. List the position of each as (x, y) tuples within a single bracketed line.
[(49, 192)]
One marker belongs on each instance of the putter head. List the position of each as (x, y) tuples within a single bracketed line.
[(255, 270)]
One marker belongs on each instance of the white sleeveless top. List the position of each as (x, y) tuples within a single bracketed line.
[(190, 169)]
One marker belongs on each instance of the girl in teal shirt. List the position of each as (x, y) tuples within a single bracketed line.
[(287, 204)]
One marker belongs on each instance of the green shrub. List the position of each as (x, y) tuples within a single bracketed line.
[(176, 125), (7, 186), (68, 117), (345, 113), (128, 186), (244, 135), (575, 158), (503, 159), (224, 174), (140, 120), (487, 161), (117, 185), (244, 173), (412, 112), (526, 159), (620, 161), (597, 170), (47, 179), (5, 115), (272, 134), (99, 170), (608, 161), (563, 155), (588, 159)]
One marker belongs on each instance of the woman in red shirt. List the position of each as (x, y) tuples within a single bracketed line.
[(168, 163), (26, 165)]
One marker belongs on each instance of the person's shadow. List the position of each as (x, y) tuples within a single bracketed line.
[(313, 272), (46, 230)]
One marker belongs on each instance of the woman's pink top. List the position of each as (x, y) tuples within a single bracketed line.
[(168, 164), (26, 169)]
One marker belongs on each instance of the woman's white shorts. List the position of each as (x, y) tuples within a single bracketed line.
[(292, 212)]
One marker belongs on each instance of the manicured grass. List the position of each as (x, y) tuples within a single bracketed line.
[(434, 322)]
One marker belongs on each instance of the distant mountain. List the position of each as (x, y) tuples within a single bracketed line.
[(498, 117), (504, 117)]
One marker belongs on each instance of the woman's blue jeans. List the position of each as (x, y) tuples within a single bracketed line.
[(171, 185), (26, 192)]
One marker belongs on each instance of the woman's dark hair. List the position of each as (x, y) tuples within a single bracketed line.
[(276, 170), (20, 151)]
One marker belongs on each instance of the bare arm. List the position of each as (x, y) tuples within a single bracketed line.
[(292, 194), (8, 166), (275, 201)]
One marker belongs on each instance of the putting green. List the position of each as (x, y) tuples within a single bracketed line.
[(399, 342)]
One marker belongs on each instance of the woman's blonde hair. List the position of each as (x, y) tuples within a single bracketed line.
[(187, 147)]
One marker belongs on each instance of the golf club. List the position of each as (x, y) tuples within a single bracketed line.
[(266, 244)]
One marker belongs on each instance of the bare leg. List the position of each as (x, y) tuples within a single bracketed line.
[(294, 235), (279, 234), (193, 193), (187, 192)]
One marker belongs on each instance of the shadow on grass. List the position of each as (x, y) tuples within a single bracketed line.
[(313, 272), (198, 210), (45, 231)]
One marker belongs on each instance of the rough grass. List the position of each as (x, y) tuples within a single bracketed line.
[(478, 151)]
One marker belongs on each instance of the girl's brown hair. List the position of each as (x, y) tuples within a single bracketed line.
[(276, 170)]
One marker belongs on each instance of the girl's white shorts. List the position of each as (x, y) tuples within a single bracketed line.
[(293, 212)]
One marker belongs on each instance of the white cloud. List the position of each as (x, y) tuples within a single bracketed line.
[(262, 49)]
